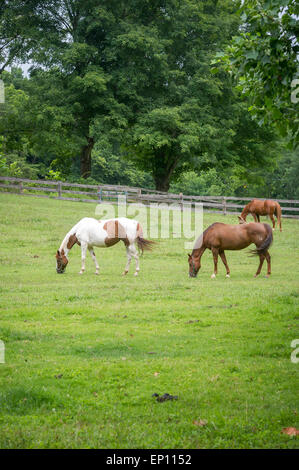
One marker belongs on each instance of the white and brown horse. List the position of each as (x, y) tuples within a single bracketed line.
[(219, 237), (90, 232)]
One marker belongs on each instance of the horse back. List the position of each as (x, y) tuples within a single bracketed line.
[(227, 237), (257, 206), (115, 232)]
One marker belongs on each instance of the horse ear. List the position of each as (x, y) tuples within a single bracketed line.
[(239, 217), (189, 256)]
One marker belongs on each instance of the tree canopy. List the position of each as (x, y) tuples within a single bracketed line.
[(127, 88), (264, 59)]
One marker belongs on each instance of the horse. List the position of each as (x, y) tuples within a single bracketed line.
[(89, 232), (256, 207), (219, 237)]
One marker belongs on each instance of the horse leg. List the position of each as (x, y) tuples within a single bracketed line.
[(129, 255), (83, 256), (258, 217), (278, 220), (92, 254), (254, 216), (135, 254), (262, 259), (272, 218), (268, 258), (131, 251), (215, 256), (223, 257)]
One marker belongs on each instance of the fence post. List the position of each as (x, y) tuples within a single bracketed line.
[(181, 201), (59, 189), (139, 195), (21, 187), (224, 206), (100, 194)]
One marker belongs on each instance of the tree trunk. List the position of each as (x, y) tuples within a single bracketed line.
[(86, 157), (162, 183), (163, 172)]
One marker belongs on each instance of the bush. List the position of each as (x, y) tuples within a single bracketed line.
[(15, 166)]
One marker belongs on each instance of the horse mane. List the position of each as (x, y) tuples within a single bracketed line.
[(199, 241)]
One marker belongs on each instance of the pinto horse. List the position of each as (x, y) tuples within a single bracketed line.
[(219, 237), (256, 207), (90, 232)]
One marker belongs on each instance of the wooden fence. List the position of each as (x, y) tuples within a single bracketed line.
[(100, 193)]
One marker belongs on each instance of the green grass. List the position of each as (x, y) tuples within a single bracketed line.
[(222, 346)]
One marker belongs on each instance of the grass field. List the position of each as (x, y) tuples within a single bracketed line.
[(84, 354)]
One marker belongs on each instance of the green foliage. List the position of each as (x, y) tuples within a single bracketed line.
[(14, 165), (137, 75), (264, 59), (109, 168), (209, 183), (54, 176), (282, 182), (9, 169), (124, 92)]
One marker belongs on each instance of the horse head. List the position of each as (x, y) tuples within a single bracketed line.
[(61, 261), (194, 265), (242, 220)]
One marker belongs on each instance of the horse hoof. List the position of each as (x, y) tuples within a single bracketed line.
[(125, 272), (227, 275), (136, 274), (96, 273), (81, 272), (213, 276)]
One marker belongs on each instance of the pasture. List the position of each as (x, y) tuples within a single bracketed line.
[(84, 354)]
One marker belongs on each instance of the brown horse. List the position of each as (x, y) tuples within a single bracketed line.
[(219, 237), (256, 207)]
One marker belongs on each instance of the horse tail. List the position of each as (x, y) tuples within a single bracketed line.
[(142, 243), (263, 248)]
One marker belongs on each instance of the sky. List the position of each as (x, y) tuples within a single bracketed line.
[(24, 67)]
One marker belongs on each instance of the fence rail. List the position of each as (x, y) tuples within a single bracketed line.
[(104, 192)]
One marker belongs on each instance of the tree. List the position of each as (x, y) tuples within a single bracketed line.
[(180, 115), (264, 59), (66, 68), (136, 73), (18, 30)]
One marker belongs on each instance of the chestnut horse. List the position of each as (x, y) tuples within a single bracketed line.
[(256, 207), (90, 232), (219, 237)]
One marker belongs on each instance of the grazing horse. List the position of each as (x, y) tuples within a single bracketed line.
[(90, 232), (256, 207), (219, 237)]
